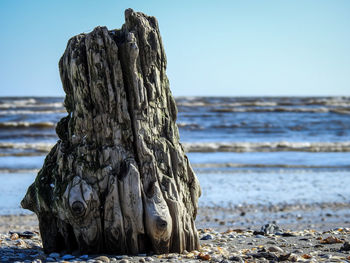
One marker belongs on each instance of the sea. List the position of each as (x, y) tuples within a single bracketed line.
[(244, 150)]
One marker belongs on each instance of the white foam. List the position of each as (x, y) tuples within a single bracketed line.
[(23, 112), (28, 103), (267, 146), (24, 124), (41, 146)]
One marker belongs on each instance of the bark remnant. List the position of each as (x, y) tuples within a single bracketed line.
[(118, 180)]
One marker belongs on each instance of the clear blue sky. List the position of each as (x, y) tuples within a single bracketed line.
[(223, 48)]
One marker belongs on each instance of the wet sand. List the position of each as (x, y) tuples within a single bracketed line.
[(319, 216), (306, 233)]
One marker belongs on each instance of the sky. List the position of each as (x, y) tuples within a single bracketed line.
[(214, 48)]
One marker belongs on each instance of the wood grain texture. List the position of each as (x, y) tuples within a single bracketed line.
[(118, 180)]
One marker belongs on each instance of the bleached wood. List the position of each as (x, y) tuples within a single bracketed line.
[(118, 180)]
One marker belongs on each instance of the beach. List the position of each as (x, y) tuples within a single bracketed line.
[(158, 131), (226, 235), (271, 160)]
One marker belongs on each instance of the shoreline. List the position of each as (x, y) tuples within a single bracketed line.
[(318, 216), (297, 216)]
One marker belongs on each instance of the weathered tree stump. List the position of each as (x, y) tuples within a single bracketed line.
[(118, 180)]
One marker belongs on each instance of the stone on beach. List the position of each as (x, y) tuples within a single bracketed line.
[(275, 249), (346, 246), (270, 229)]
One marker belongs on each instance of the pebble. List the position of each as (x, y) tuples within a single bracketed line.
[(149, 259), (14, 236), (297, 251), (293, 258), (270, 229), (236, 258), (275, 249), (20, 243), (270, 242), (67, 257), (103, 259), (207, 237), (325, 256), (259, 236), (121, 257), (124, 261), (54, 255), (346, 246)]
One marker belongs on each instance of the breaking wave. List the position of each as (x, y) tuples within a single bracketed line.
[(32, 103), (268, 147), (28, 149), (24, 149), (24, 124), (262, 102), (190, 126), (284, 109), (30, 112)]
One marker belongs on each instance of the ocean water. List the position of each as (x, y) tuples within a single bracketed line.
[(245, 150)]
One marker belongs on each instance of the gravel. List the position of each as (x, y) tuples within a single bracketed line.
[(302, 246)]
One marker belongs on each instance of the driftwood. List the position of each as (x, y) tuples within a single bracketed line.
[(118, 180)]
